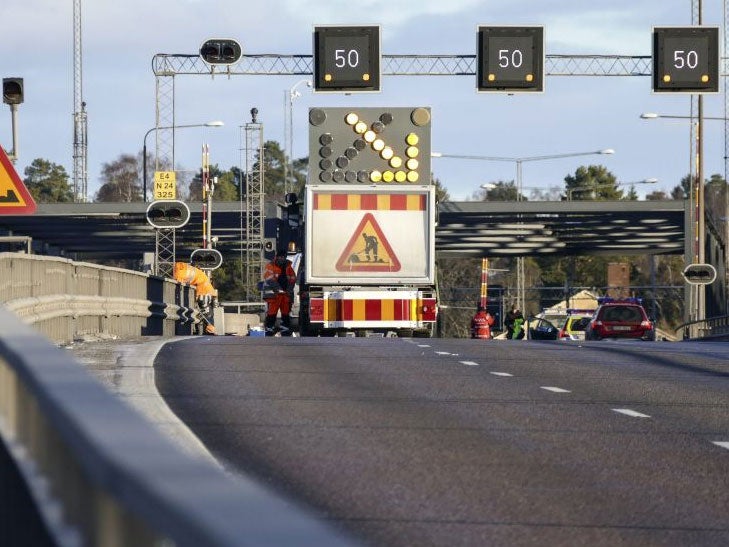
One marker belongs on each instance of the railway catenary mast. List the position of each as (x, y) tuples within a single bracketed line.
[(80, 151)]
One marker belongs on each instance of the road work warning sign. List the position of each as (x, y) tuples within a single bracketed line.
[(14, 196)]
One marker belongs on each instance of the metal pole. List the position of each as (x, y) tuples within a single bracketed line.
[(14, 121), (286, 128)]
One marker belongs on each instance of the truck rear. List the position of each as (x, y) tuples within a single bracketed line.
[(368, 264)]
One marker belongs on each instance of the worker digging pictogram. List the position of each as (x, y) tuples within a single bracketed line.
[(368, 250)]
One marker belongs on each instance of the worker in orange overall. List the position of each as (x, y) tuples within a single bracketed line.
[(205, 293), (279, 279), (481, 324)]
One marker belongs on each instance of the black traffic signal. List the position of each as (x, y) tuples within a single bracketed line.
[(347, 59), (699, 274), (686, 59), (510, 59), (168, 214), (369, 145), (206, 259), (12, 90), (220, 51)]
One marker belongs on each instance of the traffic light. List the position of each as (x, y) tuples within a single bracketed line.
[(12, 90), (347, 59), (686, 59), (369, 145), (168, 214), (220, 51), (206, 259), (699, 274), (510, 59)]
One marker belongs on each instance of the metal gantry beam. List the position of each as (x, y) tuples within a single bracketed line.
[(164, 64)]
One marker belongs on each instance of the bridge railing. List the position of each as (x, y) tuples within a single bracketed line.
[(714, 328), (98, 473), (65, 300)]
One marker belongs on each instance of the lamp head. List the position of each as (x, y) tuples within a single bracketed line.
[(607, 151)]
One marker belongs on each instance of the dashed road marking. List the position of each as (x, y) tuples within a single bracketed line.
[(631, 413), (554, 389), (469, 363), (501, 374), (423, 345), (723, 444)]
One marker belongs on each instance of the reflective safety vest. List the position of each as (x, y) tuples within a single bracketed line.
[(481, 325), (195, 277)]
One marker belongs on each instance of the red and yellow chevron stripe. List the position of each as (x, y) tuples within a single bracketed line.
[(369, 202)]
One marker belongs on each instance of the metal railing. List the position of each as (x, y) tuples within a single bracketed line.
[(65, 300), (713, 328)]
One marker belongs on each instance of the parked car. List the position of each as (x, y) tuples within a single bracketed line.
[(620, 318), (575, 325), (568, 324)]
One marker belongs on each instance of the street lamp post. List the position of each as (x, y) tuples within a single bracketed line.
[(588, 188), (144, 147), (518, 161), (291, 95), (699, 255)]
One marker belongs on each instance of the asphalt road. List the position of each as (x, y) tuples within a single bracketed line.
[(464, 442)]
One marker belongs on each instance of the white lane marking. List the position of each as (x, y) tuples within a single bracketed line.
[(469, 363), (631, 413), (442, 353), (554, 389), (723, 444), (501, 374), (423, 345)]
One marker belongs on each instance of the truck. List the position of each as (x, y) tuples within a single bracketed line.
[(366, 265)]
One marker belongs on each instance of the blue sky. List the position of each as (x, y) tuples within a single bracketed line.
[(574, 114)]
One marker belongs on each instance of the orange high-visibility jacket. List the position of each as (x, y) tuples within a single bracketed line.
[(186, 273)]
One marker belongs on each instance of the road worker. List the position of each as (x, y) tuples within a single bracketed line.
[(481, 324), (279, 278), (206, 294)]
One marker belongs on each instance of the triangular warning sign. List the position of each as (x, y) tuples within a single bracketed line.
[(368, 250), (14, 196)]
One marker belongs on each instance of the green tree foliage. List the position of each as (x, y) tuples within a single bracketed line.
[(48, 182), (441, 194), (225, 189), (499, 191), (593, 182), (121, 180)]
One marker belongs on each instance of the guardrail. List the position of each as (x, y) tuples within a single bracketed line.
[(714, 328), (116, 479), (65, 300), (98, 473)]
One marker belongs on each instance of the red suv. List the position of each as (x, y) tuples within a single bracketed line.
[(620, 318)]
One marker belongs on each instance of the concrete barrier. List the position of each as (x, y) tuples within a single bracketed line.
[(66, 300)]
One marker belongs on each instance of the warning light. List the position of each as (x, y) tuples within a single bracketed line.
[(369, 145)]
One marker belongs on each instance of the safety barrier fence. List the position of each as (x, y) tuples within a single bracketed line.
[(66, 300), (98, 473), (713, 329)]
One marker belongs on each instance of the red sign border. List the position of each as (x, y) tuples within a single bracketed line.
[(342, 264), (30, 206)]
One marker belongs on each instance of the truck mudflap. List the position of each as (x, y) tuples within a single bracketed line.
[(373, 309)]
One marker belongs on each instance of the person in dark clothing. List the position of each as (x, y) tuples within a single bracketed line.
[(514, 323)]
